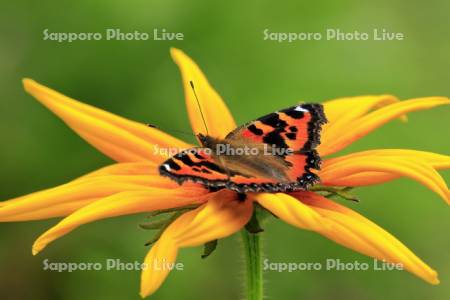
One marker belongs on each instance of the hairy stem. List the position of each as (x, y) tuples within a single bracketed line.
[(253, 261)]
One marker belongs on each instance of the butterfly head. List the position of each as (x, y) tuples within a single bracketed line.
[(206, 141)]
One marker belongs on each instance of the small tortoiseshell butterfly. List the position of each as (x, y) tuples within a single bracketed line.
[(274, 153)]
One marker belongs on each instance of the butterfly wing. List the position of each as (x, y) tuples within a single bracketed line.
[(294, 130), (195, 164), (200, 165)]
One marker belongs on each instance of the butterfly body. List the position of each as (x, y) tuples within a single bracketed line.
[(273, 153), (248, 159)]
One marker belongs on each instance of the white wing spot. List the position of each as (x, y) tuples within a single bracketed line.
[(300, 108), (166, 166)]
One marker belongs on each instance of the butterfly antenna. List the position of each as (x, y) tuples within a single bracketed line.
[(172, 130), (199, 107)]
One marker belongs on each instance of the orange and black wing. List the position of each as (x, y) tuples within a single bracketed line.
[(295, 131), (296, 128), (197, 165)]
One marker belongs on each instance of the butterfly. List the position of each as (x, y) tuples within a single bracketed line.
[(275, 153)]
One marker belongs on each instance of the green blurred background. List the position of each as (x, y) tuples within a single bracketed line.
[(138, 80)]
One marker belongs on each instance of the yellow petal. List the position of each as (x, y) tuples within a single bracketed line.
[(345, 110), (162, 255), (73, 195), (133, 168), (54, 211), (291, 210), (220, 217), (121, 139), (394, 251), (352, 230), (124, 203), (354, 130), (437, 161), (342, 112), (363, 179), (339, 173), (298, 214), (217, 117)]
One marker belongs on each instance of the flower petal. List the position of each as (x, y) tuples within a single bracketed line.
[(54, 211), (347, 228), (163, 254), (298, 214), (212, 109), (133, 168), (342, 172), (336, 140), (291, 211), (437, 161), (68, 197), (121, 139), (220, 217), (341, 112), (124, 203), (216, 220)]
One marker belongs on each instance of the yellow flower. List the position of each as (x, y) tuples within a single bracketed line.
[(133, 185)]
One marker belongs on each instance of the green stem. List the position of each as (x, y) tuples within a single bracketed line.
[(253, 261)]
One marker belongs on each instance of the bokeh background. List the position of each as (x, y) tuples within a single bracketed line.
[(138, 80)]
